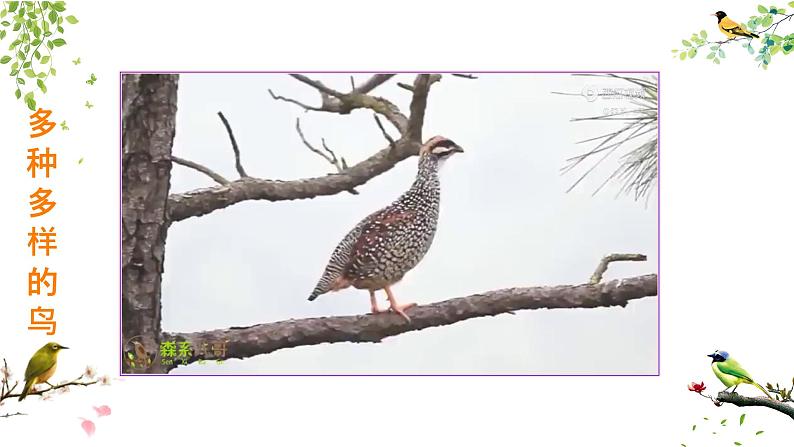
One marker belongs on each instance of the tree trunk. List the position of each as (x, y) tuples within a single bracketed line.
[(148, 126)]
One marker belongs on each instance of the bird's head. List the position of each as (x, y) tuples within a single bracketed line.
[(439, 147), (53, 347), (718, 356), (719, 15)]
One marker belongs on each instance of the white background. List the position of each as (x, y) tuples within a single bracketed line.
[(725, 227)]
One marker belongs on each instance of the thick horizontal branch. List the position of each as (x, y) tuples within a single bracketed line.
[(746, 401), (244, 342), (206, 200)]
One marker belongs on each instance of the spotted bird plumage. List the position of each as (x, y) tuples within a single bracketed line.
[(388, 243)]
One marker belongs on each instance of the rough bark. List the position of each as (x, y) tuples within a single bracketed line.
[(148, 126), (243, 342), (746, 401)]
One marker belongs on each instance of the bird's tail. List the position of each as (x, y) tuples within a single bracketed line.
[(754, 35), (25, 390), (762, 389)]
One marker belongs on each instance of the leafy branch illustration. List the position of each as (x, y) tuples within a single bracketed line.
[(38, 27), (9, 390), (782, 401), (766, 23)]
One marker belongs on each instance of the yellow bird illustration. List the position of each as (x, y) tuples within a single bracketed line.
[(731, 28), (41, 366)]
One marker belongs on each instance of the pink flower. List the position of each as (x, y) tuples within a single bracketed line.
[(88, 427), (697, 387), (104, 410)]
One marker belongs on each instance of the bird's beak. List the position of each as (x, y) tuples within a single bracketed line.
[(64, 347), (457, 149), (714, 15), (710, 355)]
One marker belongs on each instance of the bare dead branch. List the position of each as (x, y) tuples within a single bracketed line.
[(598, 275), (328, 155), (236, 150), (206, 200), (244, 342), (371, 83), (419, 104), (319, 86), (343, 103), (746, 401), (293, 101), (408, 87), (201, 168), (392, 143), (467, 76)]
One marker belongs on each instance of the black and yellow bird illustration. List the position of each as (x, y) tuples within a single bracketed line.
[(731, 28)]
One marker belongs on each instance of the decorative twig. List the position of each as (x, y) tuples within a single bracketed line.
[(236, 150), (467, 76), (8, 415), (746, 401), (598, 275), (201, 168)]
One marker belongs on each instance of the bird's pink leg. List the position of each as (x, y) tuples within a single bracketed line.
[(374, 302), (395, 307)]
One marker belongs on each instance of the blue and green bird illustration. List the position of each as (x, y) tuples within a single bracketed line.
[(730, 372)]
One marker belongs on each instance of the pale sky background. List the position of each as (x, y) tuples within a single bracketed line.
[(506, 221)]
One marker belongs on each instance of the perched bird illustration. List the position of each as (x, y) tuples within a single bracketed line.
[(731, 28), (730, 372), (389, 242), (41, 366)]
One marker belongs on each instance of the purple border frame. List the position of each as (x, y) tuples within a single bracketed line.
[(658, 220)]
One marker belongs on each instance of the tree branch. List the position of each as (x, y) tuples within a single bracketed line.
[(236, 150), (201, 168), (746, 401), (598, 275), (420, 89), (206, 200), (243, 342), (328, 155)]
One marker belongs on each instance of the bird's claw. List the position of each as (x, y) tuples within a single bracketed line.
[(400, 310)]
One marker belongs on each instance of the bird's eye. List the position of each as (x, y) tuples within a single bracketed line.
[(55, 348)]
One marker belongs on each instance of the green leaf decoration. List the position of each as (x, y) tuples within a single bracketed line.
[(31, 103), (692, 53), (741, 419), (737, 443), (5, 59), (686, 43), (71, 19), (703, 34), (722, 422), (682, 55), (762, 9), (694, 427), (58, 42), (760, 431)]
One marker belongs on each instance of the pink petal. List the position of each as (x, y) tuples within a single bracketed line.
[(104, 410), (88, 427)]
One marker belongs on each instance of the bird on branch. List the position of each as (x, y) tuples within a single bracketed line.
[(388, 243), (730, 372), (41, 366), (731, 28)]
